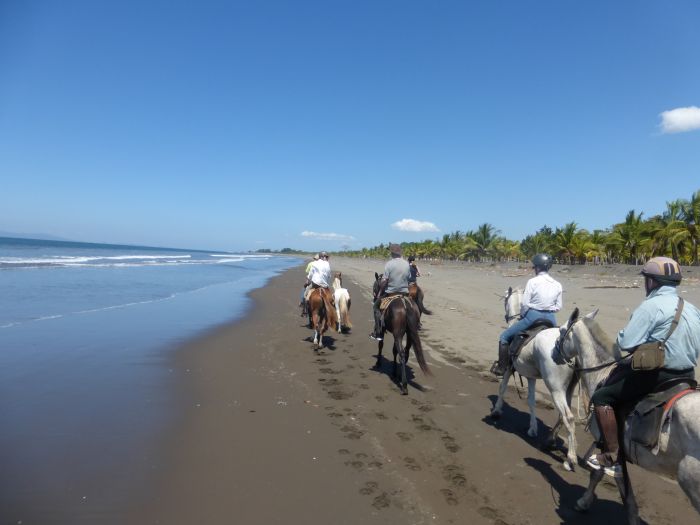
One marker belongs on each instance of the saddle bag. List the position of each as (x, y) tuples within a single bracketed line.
[(651, 356)]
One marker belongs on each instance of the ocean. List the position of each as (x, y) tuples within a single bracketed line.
[(86, 332)]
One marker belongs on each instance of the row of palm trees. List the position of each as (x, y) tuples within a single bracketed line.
[(674, 233)]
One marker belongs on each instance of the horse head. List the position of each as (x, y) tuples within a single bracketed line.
[(511, 303)]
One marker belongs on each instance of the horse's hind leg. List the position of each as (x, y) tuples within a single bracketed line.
[(567, 418), (378, 364), (532, 431), (689, 479)]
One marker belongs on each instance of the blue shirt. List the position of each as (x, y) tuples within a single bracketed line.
[(651, 321)]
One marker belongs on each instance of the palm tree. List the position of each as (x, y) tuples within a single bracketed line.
[(484, 238), (629, 236), (691, 217)]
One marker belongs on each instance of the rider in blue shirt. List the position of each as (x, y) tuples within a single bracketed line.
[(650, 322)]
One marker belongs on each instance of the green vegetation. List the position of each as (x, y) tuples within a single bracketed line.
[(675, 233)]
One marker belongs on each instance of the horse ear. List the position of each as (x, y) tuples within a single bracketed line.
[(592, 314), (573, 316), (376, 276), (510, 290)]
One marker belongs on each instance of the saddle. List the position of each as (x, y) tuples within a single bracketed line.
[(527, 335), (648, 421)]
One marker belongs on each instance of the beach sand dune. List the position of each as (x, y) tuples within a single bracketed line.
[(272, 432)]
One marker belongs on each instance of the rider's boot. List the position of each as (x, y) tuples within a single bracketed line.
[(499, 367), (607, 459)]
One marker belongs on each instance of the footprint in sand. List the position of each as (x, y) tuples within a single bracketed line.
[(343, 451), (381, 416), (455, 475), (357, 465), (381, 399)]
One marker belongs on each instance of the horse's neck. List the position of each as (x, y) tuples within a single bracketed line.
[(337, 284), (591, 354)]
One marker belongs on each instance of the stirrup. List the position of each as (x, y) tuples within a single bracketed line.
[(375, 337), (614, 470)]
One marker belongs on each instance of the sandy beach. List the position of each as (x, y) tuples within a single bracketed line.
[(271, 432)]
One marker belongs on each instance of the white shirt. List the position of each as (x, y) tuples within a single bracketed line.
[(542, 293), (320, 273)]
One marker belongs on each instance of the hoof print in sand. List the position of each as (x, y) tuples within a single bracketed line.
[(450, 444), (404, 436), (450, 497), (369, 488), (411, 464), (382, 501)]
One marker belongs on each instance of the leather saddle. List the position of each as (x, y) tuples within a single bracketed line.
[(527, 335), (648, 419)]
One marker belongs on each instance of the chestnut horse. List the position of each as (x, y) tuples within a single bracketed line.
[(321, 314), (401, 318), (416, 294)]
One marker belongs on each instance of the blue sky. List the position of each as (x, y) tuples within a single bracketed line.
[(315, 125)]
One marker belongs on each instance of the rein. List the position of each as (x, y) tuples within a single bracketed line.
[(572, 362)]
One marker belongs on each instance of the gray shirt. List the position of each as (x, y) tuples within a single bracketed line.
[(397, 271)]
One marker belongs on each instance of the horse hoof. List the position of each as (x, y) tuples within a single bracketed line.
[(580, 508), (568, 466), (495, 415)]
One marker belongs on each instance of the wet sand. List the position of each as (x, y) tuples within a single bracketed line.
[(272, 432)]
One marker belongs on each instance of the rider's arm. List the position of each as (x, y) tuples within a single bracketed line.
[(638, 329)]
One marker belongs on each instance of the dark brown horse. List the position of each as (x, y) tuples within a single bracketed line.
[(401, 317), (321, 314)]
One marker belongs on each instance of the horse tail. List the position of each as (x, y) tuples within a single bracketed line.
[(419, 301), (331, 314), (412, 322), (344, 310), (348, 322)]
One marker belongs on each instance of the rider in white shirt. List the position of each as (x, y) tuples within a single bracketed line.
[(319, 275), (542, 298)]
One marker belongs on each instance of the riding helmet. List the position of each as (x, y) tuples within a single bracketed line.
[(663, 270), (542, 262)]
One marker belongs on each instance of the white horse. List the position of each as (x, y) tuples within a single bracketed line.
[(591, 348), (536, 361), (342, 302)]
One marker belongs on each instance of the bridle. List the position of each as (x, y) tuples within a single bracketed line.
[(572, 361)]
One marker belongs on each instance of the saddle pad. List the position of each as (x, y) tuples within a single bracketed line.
[(386, 301)]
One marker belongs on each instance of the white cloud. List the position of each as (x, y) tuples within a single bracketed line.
[(680, 119), (412, 225), (327, 236)]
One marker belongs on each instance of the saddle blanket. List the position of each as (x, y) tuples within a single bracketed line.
[(386, 301), (524, 337)]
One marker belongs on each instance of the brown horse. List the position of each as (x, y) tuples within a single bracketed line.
[(321, 314), (401, 317), (416, 294)]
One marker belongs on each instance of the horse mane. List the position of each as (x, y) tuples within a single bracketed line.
[(601, 339)]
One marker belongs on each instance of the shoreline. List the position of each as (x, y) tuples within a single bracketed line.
[(270, 432)]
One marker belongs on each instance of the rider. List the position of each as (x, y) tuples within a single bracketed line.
[(541, 299), (651, 321), (303, 290), (394, 281), (319, 275), (413, 278)]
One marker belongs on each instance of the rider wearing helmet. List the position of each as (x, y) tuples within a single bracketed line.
[(650, 322), (541, 299)]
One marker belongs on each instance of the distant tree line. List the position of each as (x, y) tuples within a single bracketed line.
[(674, 233)]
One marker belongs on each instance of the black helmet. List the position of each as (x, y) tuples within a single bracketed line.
[(663, 270), (411, 258), (542, 262)]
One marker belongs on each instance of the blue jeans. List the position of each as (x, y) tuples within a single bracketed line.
[(530, 317)]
